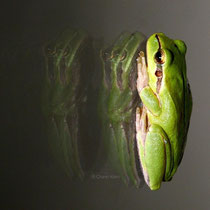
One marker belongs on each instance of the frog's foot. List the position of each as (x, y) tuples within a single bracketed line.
[(142, 80), (155, 155)]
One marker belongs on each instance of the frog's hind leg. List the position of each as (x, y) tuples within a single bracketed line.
[(157, 156)]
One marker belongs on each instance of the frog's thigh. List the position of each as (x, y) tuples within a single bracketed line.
[(157, 156)]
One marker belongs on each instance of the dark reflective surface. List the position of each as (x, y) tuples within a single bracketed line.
[(30, 178)]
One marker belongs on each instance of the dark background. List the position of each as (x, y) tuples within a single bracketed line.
[(30, 178)]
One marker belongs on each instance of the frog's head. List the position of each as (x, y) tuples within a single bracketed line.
[(165, 57)]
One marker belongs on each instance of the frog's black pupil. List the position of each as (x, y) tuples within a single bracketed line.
[(158, 57)]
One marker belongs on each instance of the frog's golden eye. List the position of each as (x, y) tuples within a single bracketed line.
[(160, 57)]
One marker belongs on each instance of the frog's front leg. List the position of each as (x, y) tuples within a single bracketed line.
[(148, 97)]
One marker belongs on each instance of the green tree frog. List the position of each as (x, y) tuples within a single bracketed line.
[(163, 119), (118, 101), (67, 61)]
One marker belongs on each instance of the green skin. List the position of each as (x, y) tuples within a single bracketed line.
[(163, 121), (61, 98), (118, 102)]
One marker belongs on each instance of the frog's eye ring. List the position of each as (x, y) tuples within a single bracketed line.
[(160, 57)]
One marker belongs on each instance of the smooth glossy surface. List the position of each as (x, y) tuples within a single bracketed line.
[(118, 101)]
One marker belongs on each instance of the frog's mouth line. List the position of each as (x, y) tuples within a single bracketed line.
[(159, 70), (158, 39)]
